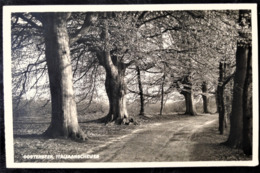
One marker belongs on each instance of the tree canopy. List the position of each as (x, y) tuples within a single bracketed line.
[(166, 46)]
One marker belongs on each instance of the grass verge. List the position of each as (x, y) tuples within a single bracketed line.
[(209, 146)]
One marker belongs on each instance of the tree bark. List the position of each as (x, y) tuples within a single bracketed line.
[(227, 90), (116, 92), (247, 107), (188, 95), (235, 139), (64, 121), (205, 97), (220, 99), (236, 119), (221, 108), (190, 107), (162, 94), (141, 93), (115, 84)]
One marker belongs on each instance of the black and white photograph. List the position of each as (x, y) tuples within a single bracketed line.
[(123, 86)]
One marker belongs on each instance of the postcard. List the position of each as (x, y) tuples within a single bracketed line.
[(130, 86)]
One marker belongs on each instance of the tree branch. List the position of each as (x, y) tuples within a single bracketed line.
[(228, 79), (29, 21), (82, 31), (151, 19)]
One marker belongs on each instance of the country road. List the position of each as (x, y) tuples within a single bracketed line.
[(164, 141)]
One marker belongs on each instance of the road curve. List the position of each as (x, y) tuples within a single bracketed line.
[(165, 141)]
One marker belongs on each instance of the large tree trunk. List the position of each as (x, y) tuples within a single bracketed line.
[(247, 106), (190, 106), (205, 97), (64, 121), (188, 95), (235, 139), (236, 119), (116, 92), (115, 84), (141, 93)]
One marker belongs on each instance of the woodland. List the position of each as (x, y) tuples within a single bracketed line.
[(131, 64)]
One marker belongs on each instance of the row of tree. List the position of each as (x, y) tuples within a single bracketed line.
[(149, 54)]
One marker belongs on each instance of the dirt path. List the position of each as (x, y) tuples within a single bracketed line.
[(166, 141)]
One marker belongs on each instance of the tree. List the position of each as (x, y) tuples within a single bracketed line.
[(162, 93), (247, 108), (204, 88), (220, 100), (235, 138), (64, 120), (120, 37), (115, 73), (141, 93), (187, 91), (52, 27), (223, 81), (236, 118), (222, 96)]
